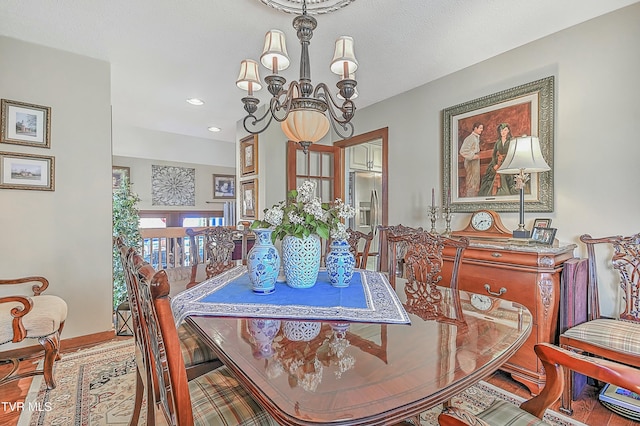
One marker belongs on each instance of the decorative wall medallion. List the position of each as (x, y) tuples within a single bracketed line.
[(173, 186), (314, 7)]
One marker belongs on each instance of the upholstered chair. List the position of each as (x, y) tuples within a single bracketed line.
[(530, 413), (214, 398), (38, 317), (617, 339)]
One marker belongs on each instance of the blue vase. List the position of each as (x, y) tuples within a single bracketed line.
[(340, 264), (263, 263), (301, 259)]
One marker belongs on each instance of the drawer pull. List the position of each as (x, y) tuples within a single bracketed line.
[(494, 254), (500, 293)]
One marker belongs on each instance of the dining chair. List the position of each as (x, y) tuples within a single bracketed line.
[(395, 250), (217, 251), (197, 355), (215, 398), (556, 361), (38, 317), (356, 239), (423, 259), (614, 339)]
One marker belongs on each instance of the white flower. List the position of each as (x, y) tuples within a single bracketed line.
[(340, 232), (306, 191), (295, 218), (274, 215), (314, 208)]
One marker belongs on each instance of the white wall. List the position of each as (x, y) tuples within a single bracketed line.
[(63, 235), (596, 156), (140, 170)]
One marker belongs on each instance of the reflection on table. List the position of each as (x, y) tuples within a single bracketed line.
[(306, 372)]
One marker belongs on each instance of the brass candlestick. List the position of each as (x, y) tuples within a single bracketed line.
[(446, 215), (433, 215)]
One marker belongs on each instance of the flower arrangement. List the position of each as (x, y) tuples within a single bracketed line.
[(303, 214)]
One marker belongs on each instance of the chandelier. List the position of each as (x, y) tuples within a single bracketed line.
[(304, 112)]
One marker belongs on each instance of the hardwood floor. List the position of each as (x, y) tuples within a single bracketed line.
[(587, 408)]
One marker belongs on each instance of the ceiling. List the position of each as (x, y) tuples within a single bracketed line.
[(165, 51)]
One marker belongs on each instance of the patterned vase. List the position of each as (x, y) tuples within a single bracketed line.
[(301, 258), (263, 263), (301, 331), (262, 332), (340, 264)]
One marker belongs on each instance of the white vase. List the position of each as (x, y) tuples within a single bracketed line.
[(301, 260)]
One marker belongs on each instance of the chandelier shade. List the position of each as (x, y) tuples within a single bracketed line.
[(249, 79), (305, 125), (274, 55), (344, 58), (306, 112)]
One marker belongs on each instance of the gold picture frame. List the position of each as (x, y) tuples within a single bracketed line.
[(249, 199), (117, 174), (25, 124), (249, 155), (526, 109), (27, 171)]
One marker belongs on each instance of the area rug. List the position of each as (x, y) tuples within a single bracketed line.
[(97, 387)]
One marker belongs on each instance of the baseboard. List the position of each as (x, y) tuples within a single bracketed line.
[(66, 345)]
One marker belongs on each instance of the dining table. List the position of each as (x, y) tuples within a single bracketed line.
[(314, 366)]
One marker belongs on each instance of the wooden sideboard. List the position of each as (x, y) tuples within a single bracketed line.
[(527, 274)]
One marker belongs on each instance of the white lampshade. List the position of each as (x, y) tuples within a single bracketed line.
[(524, 155), (274, 55), (305, 125), (344, 58), (249, 79)]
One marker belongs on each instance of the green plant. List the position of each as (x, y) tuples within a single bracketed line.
[(303, 214), (125, 225)]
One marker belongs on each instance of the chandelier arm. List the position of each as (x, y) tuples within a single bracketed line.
[(276, 106), (344, 130), (346, 109), (251, 122)]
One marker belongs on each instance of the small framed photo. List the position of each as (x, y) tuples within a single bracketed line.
[(249, 155), (25, 124), (117, 174), (544, 235), (249, 200), (27, 171), (224, 186), (542, 223)]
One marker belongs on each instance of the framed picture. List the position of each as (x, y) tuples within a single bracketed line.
[(249, 155), (224, 186), (249, 200), (27, 171), (117, 173), (542, 223), (544, 235), (476, 136), (25, 124)]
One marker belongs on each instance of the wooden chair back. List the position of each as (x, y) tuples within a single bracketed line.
[(218, 246), (159, 343), (357, 239), (395, 249), (625, 260), (423, 257)]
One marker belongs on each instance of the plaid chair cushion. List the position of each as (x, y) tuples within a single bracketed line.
[(218, 399), (623, 336), (194, 350), (502, 413)]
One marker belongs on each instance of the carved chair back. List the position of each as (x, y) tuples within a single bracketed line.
[(625, 260), (423, 259), (218, 246), (163, 364), (395, 249)]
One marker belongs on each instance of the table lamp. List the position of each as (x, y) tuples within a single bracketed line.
[(523, 157)]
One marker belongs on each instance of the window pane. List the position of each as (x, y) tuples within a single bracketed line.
[(301, 163), (315, 159), (327, 190), (191, 222), (327, 162)]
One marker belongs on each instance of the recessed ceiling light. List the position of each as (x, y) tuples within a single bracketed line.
[(195, 101), (214, 129)]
